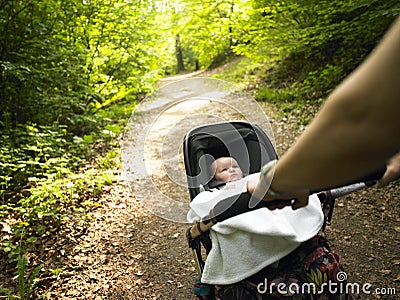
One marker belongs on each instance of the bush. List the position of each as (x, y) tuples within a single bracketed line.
[(32, 152)]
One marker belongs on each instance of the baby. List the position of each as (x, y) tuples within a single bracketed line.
[(226, 169), (245, 244)]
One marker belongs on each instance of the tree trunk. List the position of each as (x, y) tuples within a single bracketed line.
[(179, 54)]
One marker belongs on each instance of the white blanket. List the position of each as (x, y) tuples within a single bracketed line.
[(245, 244)]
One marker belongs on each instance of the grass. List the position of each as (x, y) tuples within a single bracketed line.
[(288, 101)]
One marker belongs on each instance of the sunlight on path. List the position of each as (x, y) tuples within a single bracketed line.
[(152, 150)]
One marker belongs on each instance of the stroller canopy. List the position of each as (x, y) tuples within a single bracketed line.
[(246, 142)]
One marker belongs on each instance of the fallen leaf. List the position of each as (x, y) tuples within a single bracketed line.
[(6, 228), (385, 272)]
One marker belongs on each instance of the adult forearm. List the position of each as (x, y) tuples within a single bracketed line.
[(332, 152), (357, 129)]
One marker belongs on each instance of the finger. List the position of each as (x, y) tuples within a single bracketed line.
[(280, 206), (300, 202), (388, 177), (381, 183)]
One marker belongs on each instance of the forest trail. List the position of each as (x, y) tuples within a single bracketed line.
[(127, 252)]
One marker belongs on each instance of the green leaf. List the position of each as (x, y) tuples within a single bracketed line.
[(88, 139)]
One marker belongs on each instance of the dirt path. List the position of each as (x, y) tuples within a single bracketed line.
[(126, 252)]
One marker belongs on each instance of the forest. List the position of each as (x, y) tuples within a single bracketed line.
[(72, 72)]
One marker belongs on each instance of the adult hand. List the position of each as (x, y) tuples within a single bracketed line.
[(260, 188), (392, 171)]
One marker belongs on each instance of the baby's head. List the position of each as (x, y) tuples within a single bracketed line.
[(226, 169)]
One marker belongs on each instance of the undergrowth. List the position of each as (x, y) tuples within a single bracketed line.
[(48, 176), (298, 100)]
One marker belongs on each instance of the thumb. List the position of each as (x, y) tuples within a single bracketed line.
[(300, 201)]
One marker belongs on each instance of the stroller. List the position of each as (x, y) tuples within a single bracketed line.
[(252, 148)]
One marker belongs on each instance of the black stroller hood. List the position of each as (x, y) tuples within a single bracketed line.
[(246, 142)]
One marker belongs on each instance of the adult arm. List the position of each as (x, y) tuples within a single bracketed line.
[(356, 130)]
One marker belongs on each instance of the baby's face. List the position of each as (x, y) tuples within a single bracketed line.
[(227, 169)]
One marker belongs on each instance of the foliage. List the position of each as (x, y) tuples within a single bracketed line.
[(71, 73), (31, 152), (26, 282), (42, 179), (243, 71), (48, 203), (314, 46), (26, 285), (59, 59), (64, 65), (46, 178), (308, 47), (205, 28)]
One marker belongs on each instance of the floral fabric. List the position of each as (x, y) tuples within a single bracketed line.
[(307, 273)]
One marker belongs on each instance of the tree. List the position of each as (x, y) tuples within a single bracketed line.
[(318, 45), (205, 28), (179, 54), (60, 59)]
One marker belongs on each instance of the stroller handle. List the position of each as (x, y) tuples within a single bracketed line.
[(238, 204), (369, 179)]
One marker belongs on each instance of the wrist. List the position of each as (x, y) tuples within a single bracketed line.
[(267, 174), (265, 191), (268, 178)]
